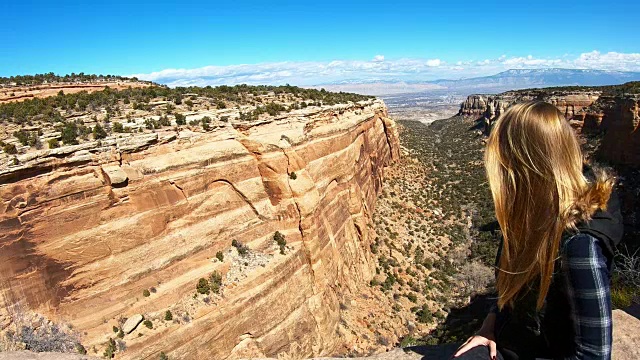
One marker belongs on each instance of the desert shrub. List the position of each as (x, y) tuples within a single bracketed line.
[(215, 282), (180, 119), (69, 133), (120, 334), (274, 109), (242, 249), (116, 329), (53, 143), (625, 285), (407, 341), (22, 136), (41, 335), (621, 297), (10, 149), (203, 286), (293, 176), (146, 293), (117, 127), (424, 315), (388, 282), (220, 256), (280, 240), (98, 132), (80, 349), (168, 316), (110, 351), (148, 324), (628, 266), (122, 346), (205, 123), (164, 121), (163, 356), (474, 277)]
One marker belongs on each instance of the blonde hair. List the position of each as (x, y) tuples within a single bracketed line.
[(534, 167)]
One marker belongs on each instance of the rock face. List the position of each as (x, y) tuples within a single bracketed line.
[(85, 230), (615, 117), (490, 107)]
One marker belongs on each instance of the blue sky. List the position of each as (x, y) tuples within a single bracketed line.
[(202, 40)]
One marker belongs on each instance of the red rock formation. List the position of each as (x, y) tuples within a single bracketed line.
[(84, 230), (615, 117)]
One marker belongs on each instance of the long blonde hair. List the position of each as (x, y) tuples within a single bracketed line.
[(534, 166)]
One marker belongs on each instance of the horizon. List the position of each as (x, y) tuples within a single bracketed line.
[(310, 44)]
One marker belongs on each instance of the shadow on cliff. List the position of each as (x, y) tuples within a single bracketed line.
[(460, 324), (479, 124), (30, 276)]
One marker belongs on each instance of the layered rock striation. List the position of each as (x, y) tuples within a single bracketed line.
[(490, 107), (614, 117), (86, 229)]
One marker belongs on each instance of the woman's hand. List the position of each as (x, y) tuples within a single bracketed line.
[(478, 340), (484, 337)]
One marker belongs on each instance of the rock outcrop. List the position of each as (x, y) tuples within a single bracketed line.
[(615, 117), (87, 229), (490, 107)]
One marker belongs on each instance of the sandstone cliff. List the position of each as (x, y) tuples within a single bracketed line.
[(87, 229), (615, 117)]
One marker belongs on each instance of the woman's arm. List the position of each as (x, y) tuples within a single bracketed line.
[(484, 337), (589, 293)]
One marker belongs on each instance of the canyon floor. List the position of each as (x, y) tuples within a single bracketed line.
[(431, 257)]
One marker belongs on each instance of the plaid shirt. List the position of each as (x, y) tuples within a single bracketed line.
[(587, 269)]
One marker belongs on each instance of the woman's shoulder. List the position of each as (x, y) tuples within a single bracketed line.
[(583, 246)]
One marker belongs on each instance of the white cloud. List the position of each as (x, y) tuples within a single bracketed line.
[(380, 68), (434, 62)]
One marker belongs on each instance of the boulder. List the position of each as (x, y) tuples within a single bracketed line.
[(115, 174), (132, 323), (626, 336)]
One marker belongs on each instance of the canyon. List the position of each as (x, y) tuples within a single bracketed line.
[(254, 222), (95, 233)]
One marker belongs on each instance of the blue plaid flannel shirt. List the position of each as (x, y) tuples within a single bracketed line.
[(587, 269)]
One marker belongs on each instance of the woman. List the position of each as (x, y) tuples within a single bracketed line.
[(559, 223)]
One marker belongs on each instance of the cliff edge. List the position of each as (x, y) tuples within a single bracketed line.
[(97, 233)]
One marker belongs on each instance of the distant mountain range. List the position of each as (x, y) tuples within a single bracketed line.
[(506, 80)]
